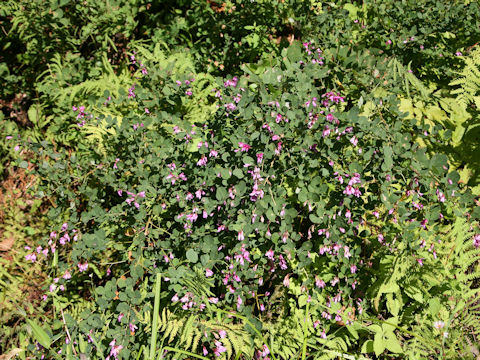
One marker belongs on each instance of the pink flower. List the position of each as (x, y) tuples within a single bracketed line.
[(219, 349), (441, 196), (244, 146), (286, 281), (223, 334), (438, 325), (259, 158), (31, 257), (205, 352), (132, 328), (239, 302), (476, 241), (115, 350), (265, 351), (319, 283), (82, 267), (202, 161), (270, 254), (241, 237), (208, 272), (230, 106)]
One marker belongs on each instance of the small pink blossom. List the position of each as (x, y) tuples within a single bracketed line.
[(244, 146), (270, 255), (219, 348), (82, 267), (476, 241)]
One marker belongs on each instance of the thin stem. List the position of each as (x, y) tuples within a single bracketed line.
[(68, 333), (185, 352)]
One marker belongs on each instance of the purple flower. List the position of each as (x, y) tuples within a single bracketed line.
[(230, 106), (132, 328), (476, 241), (131, 93)]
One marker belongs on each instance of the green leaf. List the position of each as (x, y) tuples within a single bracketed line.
[(388, 158), (23, 164), (192, 256), (40, 335), (238, 173), (367, 347), (221, 194), (434, 306), (378, 344), (392, 343), (294, 52)]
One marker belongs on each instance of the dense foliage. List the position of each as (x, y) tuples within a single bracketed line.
[(244, 180)]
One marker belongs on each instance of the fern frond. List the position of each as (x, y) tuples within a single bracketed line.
[(468, 80)]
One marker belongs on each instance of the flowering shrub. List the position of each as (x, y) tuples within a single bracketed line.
[(289, 199)]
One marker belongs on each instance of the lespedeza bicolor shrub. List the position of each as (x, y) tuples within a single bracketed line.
[(289, 201)]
